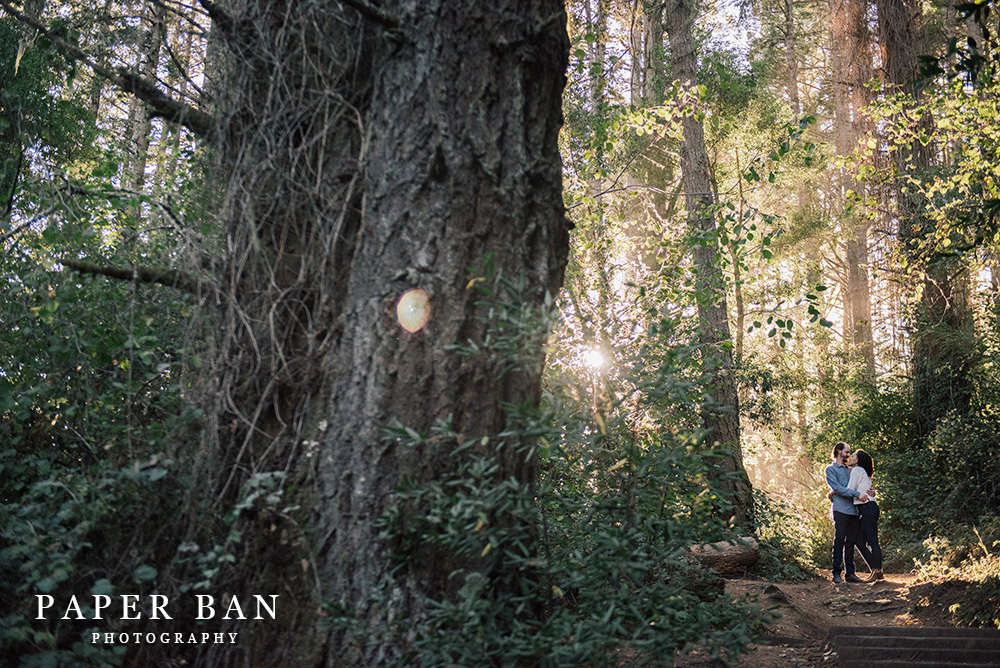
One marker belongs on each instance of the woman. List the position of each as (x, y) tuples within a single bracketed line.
[(862, 468)]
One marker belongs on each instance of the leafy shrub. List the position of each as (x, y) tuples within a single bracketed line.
[(969, 558), (981, 606), (569, 574), (56, 533), (783, 552)]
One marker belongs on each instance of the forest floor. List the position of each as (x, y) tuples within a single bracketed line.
[(807, 610)]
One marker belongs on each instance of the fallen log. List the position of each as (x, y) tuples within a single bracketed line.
[(727, 558)]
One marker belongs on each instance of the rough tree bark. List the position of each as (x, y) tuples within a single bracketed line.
[(722, 419), (369, 151)]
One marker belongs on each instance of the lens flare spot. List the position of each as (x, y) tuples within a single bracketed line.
[(413, 310), (594, 358)]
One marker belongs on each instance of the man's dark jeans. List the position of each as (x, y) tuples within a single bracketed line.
[(845, 528)]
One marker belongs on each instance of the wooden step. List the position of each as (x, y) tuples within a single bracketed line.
[(942, 656), (929, 642), (915, 647), (915, 631), (868, 663)]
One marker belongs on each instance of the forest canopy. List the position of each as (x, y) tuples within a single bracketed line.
[(456, 327)]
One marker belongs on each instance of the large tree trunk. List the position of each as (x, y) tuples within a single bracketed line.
[(852, 64), (369, 153), (942, 334), (722, 419)]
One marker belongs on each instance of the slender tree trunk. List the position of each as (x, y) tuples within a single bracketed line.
[(722, 419), (647, 83), (738, 301), (859, 293), (995, 279), (792, 58), (636, 32), (140, 115), (173, 136), (597, 26)]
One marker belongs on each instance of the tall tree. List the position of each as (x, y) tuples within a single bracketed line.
[(852, 65), (943, 337), (722, 417)]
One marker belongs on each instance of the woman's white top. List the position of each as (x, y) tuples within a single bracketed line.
[(861, 482)]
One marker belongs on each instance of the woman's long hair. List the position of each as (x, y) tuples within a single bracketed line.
[(866, 462)]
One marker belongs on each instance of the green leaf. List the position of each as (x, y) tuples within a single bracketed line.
[(45, 638), (102, 587), (144, 573)]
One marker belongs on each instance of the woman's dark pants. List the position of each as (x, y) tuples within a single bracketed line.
[(867, 541)]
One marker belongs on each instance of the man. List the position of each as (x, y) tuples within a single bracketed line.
[(845, 515)]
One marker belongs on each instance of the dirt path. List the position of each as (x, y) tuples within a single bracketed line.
[(808, 609)]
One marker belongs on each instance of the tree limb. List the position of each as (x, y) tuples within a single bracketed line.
[(374, 13), (17, 179), (168, 277), (164, 106), (218, 16)]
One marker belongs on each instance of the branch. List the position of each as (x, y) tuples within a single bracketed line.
[(13, 232), (168, 277), (166, 107), (180, 68), (374, 13), (224, 21), (17, 179)]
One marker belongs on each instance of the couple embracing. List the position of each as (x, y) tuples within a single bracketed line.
[(855, 513)]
